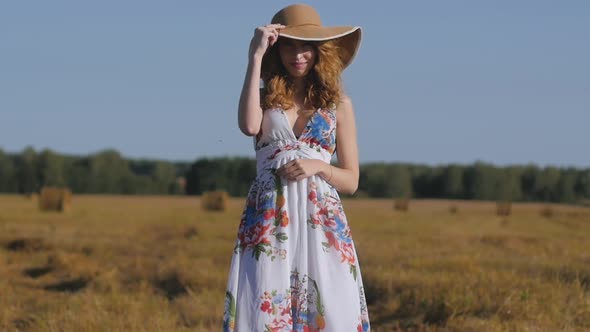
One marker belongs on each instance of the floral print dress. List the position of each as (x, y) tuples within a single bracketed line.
[(294, 265)]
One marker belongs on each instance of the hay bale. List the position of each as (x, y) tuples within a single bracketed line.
[(401, 204), (55, 199), (547, 211), (453, 209), (214, 200), (503, 208)]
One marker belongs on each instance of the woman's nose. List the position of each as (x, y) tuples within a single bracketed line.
[(299, 50)]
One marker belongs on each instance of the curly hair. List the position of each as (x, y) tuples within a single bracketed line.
[(323, 83)]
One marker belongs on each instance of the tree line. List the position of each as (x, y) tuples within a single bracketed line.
[(108, 172)]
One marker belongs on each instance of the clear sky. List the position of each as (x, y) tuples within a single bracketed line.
[(435, 82)]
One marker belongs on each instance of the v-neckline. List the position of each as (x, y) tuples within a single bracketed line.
[(291, 127)]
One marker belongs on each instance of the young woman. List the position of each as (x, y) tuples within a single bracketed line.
[(294, 266)]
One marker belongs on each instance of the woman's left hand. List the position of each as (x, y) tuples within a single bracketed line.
[(299, 169)]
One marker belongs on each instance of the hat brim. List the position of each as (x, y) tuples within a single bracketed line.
[(316, 33), (348, 38)]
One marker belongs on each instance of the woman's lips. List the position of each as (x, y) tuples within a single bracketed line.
[(298, 65)]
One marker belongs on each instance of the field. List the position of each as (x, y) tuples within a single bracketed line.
[(160, 264)]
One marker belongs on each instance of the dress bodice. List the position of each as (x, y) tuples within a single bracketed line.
[(319, 132), (274, 127)]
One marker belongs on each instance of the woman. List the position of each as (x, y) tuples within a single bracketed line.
[(294, 266)]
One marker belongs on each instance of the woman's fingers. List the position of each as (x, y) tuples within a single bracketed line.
[(264, 37), (270, 35), (270, 32), (276, 26), (292, 171)]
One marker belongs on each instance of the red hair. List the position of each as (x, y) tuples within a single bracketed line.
[(323, 83)]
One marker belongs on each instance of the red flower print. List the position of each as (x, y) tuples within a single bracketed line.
[(330, 223), (312, 196), (269, 214), (314, 221), (331, 239), (266, 307)]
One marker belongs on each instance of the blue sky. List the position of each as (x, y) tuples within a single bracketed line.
[(435, 82)]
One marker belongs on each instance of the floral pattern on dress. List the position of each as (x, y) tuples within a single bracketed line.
[(320, 132), (295, 309), (229, 312), (264, 217), (363, 325), (328, 215)]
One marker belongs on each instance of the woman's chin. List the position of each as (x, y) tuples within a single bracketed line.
[(298, 73)]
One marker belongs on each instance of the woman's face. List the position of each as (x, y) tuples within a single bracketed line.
[(297, 56)]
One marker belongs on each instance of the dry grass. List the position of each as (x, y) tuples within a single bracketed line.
[(160, 264)]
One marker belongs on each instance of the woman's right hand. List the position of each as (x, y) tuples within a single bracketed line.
[(264, 37)]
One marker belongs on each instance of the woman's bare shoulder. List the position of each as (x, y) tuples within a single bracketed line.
[(345, 104), (345, 99)]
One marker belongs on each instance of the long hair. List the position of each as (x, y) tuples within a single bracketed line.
[(322, 85)]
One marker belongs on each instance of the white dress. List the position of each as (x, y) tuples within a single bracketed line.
[(294, 265)]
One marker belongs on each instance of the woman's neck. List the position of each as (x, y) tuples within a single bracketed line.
[(299, 91)]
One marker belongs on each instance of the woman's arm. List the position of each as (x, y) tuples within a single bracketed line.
[(344, 178), (249, 110)]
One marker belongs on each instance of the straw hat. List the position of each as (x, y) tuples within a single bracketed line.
[(303, 23)]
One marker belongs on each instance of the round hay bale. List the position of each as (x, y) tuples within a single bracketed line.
[(401, 204), (214, 200), (55, 199)]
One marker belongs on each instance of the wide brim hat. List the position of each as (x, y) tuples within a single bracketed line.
[(303, 23)]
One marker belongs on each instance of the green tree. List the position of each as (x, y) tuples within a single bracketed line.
[(243, 174), (583, 184), (427, 181), (204, 175), (77, 174), (26, 171), (110, 173), (452, 182), (566, 186), (528, 178), (7, 173), (481, 181), (508, 185), (400, 181), (545, 185), (50, 168), (164, 176), (378, 181)]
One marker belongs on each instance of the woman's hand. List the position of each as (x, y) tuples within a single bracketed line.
[(299, 169), (264, 37)]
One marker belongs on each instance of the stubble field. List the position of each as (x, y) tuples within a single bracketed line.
[(116, 263)]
